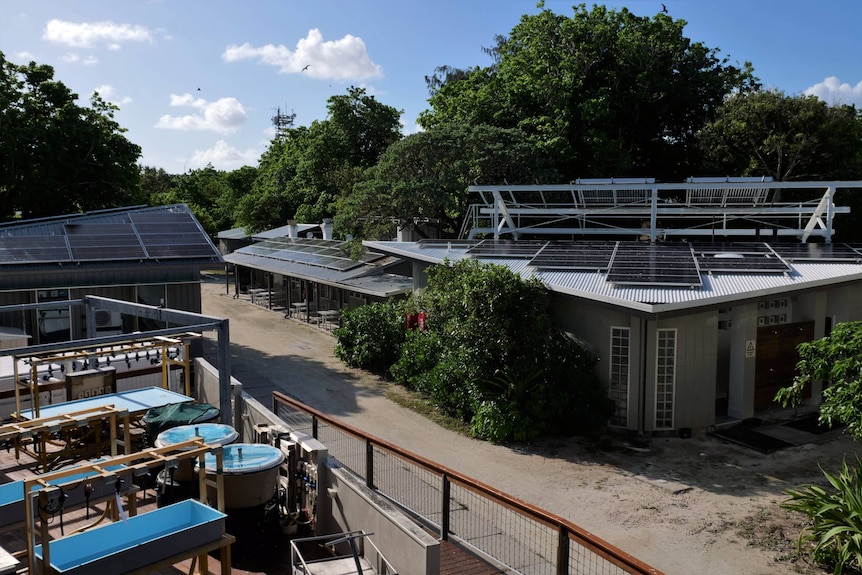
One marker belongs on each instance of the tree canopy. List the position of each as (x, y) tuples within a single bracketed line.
[(58, 157), (766, 133), (603, 92), (305, 172), (421, 181)]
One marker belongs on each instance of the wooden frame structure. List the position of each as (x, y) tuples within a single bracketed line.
[(75, 430), (43, 491), (63, 358)]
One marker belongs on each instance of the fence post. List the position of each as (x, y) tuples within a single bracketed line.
[(314, 426), (369, 463), (562, 550), (444, 507)]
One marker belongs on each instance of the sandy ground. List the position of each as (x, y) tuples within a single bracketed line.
[(684, 506)]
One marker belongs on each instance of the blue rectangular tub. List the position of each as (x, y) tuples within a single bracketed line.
[(140, 541), (12, 494)]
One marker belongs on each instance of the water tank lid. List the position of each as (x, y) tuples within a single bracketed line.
[(243, 458), (213, 433)]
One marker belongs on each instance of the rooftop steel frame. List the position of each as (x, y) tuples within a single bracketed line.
[(655, 211)]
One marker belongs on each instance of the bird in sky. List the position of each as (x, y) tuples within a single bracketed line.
[(305, 68), (664, 8)]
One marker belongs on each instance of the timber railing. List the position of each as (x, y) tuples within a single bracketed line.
[(507, 531)]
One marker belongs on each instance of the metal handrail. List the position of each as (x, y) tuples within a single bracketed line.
[(566, 530)]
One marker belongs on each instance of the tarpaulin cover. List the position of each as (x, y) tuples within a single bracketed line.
[(159, 419)]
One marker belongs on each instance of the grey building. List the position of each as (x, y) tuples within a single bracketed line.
[(152, 256), (694, 325)]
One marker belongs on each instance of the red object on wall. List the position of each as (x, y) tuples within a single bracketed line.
[(420, 321), (412, 320)]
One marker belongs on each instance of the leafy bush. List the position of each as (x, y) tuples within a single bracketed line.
[(489, 355), (371, 336), (836, 518)]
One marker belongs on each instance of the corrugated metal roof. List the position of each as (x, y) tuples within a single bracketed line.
[(232, 234), (283, 231), (365, 278), (717, 288), (121, 236)]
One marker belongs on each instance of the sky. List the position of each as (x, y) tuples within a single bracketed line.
[(199, 81)]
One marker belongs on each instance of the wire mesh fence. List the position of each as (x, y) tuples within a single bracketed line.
[(505, 530)]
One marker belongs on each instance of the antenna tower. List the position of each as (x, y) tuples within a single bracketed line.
[(282, 122)]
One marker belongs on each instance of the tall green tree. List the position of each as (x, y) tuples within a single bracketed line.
[(421, 181), (603, 92), (767, 133), (305, 172), (58, 157)]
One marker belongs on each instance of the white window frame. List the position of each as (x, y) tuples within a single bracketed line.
[(620, 395), (665, 380)]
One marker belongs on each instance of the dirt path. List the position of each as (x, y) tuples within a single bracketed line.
[(683, 505)]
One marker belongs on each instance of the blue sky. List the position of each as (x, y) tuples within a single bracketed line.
[(198, 81)]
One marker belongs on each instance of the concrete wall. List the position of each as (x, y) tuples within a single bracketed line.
[(408, 547)]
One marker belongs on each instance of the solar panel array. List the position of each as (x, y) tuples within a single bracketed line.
[(35, 249), (819, 252), (314, 252), (574, 256), (654, 264), (143, 235)]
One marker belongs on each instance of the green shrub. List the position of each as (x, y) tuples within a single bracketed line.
[(420, 353), (370, 336), (836, 518)]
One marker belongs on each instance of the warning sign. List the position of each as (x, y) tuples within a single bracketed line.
[(750, 348)]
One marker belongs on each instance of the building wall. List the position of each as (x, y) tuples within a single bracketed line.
[(184, 296)]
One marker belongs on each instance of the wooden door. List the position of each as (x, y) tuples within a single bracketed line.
[(776, 359)]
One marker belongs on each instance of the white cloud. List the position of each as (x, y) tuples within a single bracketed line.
[(344, 59), (222, 156), (71, 57), (225, 115), (107, 92), (90, 60), (91, 34), (833, 91), (25, 57)]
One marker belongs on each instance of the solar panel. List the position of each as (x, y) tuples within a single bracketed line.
[(654, 264), (574, 256), (33, 249), (172, 235), (818, 252), (314, 252), (506, 248), (743, 257), (101, 242)]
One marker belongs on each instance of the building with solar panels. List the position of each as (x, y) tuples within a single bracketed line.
[(303, 276), (694, 295), (151, 256)]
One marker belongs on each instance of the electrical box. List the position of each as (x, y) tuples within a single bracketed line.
[(90, 383)]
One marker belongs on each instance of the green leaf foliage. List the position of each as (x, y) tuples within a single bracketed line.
[(766, 133), (835, 530), (836, 361), (602, 92), (421, 181), (370, 336), (56, 156), (490, 354)]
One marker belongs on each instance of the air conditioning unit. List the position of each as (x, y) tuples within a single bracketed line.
[(108, 322)]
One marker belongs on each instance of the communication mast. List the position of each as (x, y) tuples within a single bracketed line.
[(282, 122)]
